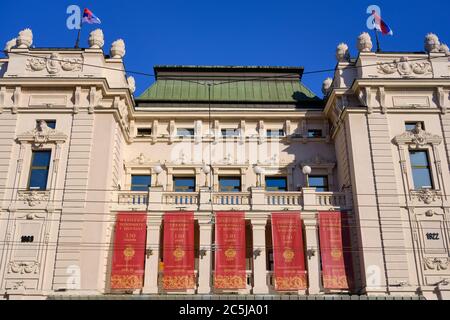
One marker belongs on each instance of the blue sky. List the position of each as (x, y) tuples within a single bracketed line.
[(231, 32)]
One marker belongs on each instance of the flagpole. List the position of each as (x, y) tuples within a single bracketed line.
[(77, 43), (378, 40)]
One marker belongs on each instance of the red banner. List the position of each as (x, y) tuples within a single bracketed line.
[(230, 251), (333, 265), (288, 251), (129, 251), (179, 251)]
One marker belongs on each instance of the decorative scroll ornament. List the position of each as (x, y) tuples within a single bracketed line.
[(426, 196), (436, 264), (418, 137), (42, 134), (404, 67), (10, 44), (54, 64), (23, 267), (33, 197)]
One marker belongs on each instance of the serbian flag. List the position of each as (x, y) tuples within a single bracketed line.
[(89, 17), (380, 25)]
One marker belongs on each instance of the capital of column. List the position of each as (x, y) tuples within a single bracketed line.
[(311, 223)]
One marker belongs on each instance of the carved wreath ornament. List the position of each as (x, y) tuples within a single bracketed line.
[(404, 67)]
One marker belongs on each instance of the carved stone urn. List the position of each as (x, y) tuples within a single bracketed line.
[(365, 42), (25, 39), (432, 43), (118, 49), (96, 39), (342, 53), (326, 86)]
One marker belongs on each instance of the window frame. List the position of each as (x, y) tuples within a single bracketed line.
[(314, 136), (181, 177), (47, 122), (220, 177), (285, 178), (413, 124), (327, 186), (237, 132), (33, 152), (186, 130), (428, 167), (281, 133), (140, 175)]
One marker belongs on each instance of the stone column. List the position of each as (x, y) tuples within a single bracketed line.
[(152, 255), (205, 259), (259, 260), (313, 256)]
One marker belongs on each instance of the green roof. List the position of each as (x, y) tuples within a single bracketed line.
[(228, 84)]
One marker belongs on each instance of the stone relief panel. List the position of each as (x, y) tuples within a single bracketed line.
[(405, 67), (54, 64)]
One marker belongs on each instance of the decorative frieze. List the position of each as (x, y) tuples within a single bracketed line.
[(54, 64), (33, 197), (404, 67), (437, 264), (426, 196), (41, 135), (15, 267), (417, 137)]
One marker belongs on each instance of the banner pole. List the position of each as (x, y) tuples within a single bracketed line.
[(77, 43), (378, 41)]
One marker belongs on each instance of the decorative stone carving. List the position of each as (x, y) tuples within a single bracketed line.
[(42, 134), (141, 159), (365, 42), (432, 43), (342, 53), (10, 44), (118, 49), (436, 264), (96, 39), (131, 84), (25, 39), (23, 267), (36, 64), (404, 67), (418, 137), (430, 213), (54, 63), (445, 49), (426, 196), (326, 86), (33, 197), (72, 64)]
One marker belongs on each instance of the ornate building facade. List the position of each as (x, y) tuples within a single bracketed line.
[(345, 195)]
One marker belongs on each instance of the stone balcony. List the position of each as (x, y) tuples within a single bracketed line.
[(257, 199)]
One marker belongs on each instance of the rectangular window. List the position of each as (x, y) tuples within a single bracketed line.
[(319, 182), (230, 132), (142, 132), (275, 133), (50, 123), (185, 132), (421, 170), (276, 183), (314, 133), (40, 164), (184, 184), (140, 182), (230, 184), (411, 125)]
